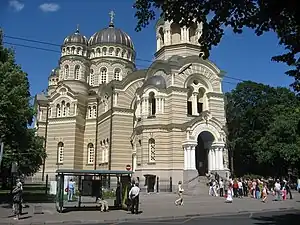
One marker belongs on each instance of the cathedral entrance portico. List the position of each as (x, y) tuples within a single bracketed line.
[(204, 150)]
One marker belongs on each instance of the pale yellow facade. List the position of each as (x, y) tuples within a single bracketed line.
[(162, 119)]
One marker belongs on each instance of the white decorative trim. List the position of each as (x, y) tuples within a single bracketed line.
[(132, 82)]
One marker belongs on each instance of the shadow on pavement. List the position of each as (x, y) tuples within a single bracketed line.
[(283, 219)]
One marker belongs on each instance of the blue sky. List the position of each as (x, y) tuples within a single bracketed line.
[(243, 56)]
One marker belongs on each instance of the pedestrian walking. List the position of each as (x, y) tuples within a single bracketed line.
[(180, 190), (17, 201)]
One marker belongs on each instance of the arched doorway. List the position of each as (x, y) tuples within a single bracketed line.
[(204, 142)]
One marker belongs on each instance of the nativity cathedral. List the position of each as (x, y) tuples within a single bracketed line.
[(101, 112)]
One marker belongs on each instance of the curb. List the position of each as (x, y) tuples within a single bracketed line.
[(160, 218)]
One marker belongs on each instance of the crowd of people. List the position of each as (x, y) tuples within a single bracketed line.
[(254, 188)]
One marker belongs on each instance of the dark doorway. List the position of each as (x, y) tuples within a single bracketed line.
[(205, 140), (150, 182)]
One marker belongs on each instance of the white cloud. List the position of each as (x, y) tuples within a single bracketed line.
[(49, 7), (16, 5)]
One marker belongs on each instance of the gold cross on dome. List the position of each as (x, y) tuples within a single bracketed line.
[(112, 16)]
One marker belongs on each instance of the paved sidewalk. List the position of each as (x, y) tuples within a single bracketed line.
[(153, 206)]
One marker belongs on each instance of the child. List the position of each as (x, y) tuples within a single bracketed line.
[(229, 194), (265, 193)]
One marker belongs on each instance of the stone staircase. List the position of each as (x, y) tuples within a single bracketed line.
[(196, 186)]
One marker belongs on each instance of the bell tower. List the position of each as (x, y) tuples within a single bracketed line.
[(171, 39)]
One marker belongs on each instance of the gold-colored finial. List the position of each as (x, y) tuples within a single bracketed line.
[(112, 16)]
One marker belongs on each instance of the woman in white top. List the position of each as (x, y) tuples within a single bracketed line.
[(229, 194), (180, 190)]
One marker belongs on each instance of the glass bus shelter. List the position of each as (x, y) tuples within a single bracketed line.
[(89, 186)]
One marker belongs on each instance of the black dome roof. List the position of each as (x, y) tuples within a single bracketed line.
[(111, 35), (76, 38)]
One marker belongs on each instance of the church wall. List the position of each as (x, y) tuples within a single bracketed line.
[(216, 107), (176, 150), (176, 108), (62, 131), (121, 145), (103, 136), (89, 137), (79, 147)]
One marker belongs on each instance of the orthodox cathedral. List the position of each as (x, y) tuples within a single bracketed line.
[(101, 112)]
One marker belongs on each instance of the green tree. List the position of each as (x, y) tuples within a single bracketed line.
[(255, 114), (16, 113), (261, 16)]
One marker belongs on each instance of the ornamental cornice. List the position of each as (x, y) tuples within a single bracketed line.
[(215, 95)]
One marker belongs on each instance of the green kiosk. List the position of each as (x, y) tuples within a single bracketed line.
[(89, 186)]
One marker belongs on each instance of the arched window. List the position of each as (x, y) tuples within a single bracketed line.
[(66, 72), (152, 104), (94, 111), (90, 112), (190, 101), (68, 109), (151, 150), (60, 152), (117, 74), (63, 108), (77, 72), (92, 77), (58, 111), (104, 50), (103, 73), (91, 153)]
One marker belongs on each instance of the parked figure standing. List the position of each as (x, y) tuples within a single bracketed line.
[(240, 190), (221, 185), (229, 194), (134, 195), (288, 189), (71, 190), (277, 188), (17, 200), (180, 190)]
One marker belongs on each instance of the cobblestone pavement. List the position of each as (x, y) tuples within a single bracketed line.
[(156, 206)]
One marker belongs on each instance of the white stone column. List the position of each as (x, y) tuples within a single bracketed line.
[(162, 105), (187, 35), (189, 157), (194, 104), (210, 159), (217, 158), (213, 159), (221, 163), (157, 101), (186, 158), (75, 109), (193, 157), (157, 43), (182, 35), (147, 107)]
